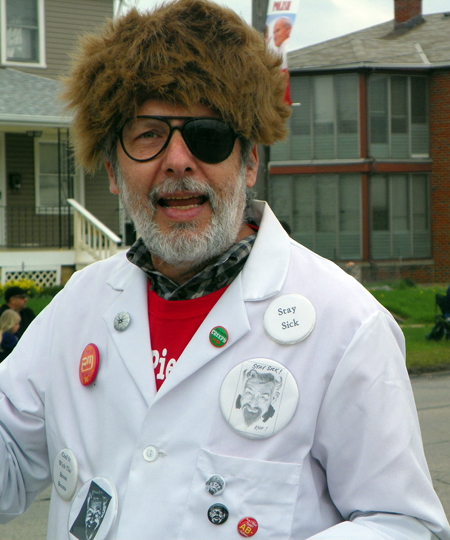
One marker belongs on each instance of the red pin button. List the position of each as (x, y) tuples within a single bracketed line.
[(247, 527), (90, 360)]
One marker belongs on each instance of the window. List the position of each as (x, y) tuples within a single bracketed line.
[(323, 211), (324, 121), (23, 32), (55, 173), (399, 209), (398, 116)]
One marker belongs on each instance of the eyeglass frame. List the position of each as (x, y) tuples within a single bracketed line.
[(186, 119)]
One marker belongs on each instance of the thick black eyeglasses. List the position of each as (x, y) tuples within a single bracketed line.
[(210, 139)]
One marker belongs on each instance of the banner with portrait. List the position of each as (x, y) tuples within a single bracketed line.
[(280, 21)]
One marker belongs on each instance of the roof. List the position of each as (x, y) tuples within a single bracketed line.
[(30, 99), (424, 46)]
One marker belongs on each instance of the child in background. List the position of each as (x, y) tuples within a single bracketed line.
[(9, 324)]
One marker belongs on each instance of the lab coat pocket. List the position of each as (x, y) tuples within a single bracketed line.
[(263, 490)]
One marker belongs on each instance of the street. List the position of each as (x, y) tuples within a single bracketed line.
[(432, 394)]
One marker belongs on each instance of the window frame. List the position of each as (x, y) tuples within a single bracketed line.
[(411, 229), (390, 117), (314, 88), (41, 63), (338, 231), (40, 208)]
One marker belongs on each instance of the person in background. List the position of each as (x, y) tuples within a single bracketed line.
[(16, 298), (9, 325)]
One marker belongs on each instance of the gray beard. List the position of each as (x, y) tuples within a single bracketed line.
[(185, 245)]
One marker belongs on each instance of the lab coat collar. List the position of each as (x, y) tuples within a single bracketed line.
[(266, 269)]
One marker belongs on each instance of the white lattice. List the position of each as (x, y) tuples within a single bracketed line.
[(44, 278)]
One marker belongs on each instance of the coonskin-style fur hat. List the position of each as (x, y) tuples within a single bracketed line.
[(185, 52)]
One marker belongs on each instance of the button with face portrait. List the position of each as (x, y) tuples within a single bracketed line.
[(215, 485), (217, 514), (289, 319), (258, 398), (94, 510)]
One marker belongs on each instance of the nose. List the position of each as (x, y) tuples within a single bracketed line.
[(177, 158)]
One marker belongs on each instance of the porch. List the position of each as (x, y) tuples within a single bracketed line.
[(49, 245)]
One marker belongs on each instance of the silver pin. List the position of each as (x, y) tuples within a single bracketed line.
[(122, 321)]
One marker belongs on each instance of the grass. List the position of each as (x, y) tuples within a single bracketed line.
[(414, 308)]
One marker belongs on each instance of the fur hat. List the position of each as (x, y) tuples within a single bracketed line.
[(186, 52)]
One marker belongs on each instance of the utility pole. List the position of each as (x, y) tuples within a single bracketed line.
[(259, 14)]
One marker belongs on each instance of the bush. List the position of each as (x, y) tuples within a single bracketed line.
[(27, 284)]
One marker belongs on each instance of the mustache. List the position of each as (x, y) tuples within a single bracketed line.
[(188, 183)]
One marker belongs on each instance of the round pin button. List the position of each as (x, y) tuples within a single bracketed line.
[(122, 321), (217, 514), (289, 319), (65, 474), (93, 510), (258, 398), (247, 527), (218, 336), (90, 360), (215, 485)]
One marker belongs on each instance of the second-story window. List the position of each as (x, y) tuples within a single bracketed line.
[(23, 26), (324, 122), (398, 116)]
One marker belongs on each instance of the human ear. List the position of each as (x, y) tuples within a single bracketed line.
[(113, 187), (252, 167)]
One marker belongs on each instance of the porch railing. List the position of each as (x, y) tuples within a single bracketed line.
[(91, 236)]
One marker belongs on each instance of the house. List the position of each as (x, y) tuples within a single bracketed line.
[(364, 177), (40, 231)]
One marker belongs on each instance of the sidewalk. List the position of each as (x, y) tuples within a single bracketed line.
[(432, 394)]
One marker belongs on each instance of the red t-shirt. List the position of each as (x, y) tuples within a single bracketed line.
[(172, 325)]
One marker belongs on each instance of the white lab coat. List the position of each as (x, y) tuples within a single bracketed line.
[(349, 465)]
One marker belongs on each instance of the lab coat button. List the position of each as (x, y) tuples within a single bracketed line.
[(151, 453)]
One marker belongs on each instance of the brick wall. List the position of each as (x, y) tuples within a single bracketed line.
[(405, 10), (440, 177)]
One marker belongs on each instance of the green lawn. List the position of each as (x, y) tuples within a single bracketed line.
[(414, 308)]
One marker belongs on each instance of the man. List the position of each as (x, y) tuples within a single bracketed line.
[(281, 34), (261, 390), (16, 298), (132, 388)]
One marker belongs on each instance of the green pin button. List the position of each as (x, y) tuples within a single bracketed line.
[(218, 336)]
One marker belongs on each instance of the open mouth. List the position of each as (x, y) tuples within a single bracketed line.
[(182, 203)]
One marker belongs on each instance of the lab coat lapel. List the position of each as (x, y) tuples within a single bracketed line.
[(229, 312), (133, 344)]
